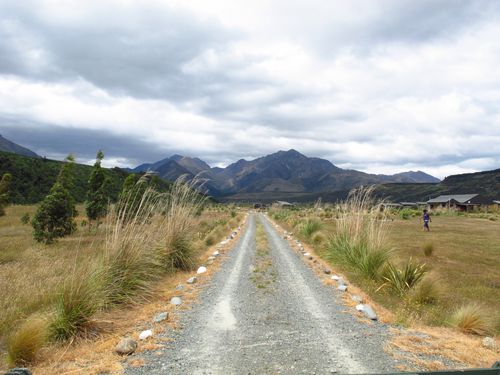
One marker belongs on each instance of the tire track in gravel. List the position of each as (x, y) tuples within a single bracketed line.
[(294, 325)]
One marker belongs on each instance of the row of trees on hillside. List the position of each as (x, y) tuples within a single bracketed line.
[(55, 217)]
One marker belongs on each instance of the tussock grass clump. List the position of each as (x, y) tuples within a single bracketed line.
[(359, 242), (359, 256), (182, 204), (309, 226), (25, 343), (181, 252), (401, 280), (80, 298), (428, 249), (318, 238), (471, 319), (426, 292), (131, 260), (144, 241)]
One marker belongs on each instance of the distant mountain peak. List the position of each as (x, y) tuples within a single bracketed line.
[(416, 176), (281, 172), (175, 157), (292, 152)]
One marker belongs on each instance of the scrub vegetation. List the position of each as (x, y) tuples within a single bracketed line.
[(52, 291)]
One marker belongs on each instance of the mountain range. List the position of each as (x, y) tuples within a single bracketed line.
[(285, 175), (282, 174)]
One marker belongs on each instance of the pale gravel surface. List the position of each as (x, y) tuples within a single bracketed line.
[(296, 325)]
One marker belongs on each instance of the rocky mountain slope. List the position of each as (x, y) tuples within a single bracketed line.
[(280, 174)]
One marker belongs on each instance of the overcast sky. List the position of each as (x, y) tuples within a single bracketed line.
[(378, 86)]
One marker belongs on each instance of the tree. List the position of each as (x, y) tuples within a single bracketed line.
[(55, 215), (66, 176), (4, 192), (96, 205)]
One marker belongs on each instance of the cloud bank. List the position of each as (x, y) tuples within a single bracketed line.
[(379, 86)]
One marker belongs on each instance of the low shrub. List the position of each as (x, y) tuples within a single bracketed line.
[(25, 219), (25, 343), (428, 249), (405, 214), (471, 319)]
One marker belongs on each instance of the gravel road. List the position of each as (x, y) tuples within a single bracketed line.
[(290, 324)]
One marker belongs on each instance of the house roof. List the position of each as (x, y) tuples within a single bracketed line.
[(283, 203), (460, 198)]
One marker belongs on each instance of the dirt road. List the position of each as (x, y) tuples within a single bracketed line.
[(265, 312)]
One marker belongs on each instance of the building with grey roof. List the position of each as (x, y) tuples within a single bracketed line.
[(462, 202)]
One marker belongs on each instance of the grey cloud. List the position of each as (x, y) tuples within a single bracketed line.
[(424, 20), (378, 23), (57, 142), (137, 52), (150, 53)]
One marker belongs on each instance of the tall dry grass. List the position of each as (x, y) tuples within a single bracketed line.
[(360, 239), (183, 204), (360, 218), (143, 241)]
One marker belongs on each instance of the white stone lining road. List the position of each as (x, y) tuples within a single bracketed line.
[(293, 325)]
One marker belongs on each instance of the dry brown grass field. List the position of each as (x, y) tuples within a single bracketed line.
[(465, 259), (31, 274), (462, 262)]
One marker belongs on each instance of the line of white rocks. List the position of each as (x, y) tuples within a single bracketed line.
[(341, 283), (128, 345), (366, 309)]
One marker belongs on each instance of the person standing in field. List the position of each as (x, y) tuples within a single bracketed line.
[(426, 218)]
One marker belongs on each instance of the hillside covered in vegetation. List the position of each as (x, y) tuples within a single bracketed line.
[(485, 183), (32, 178)]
